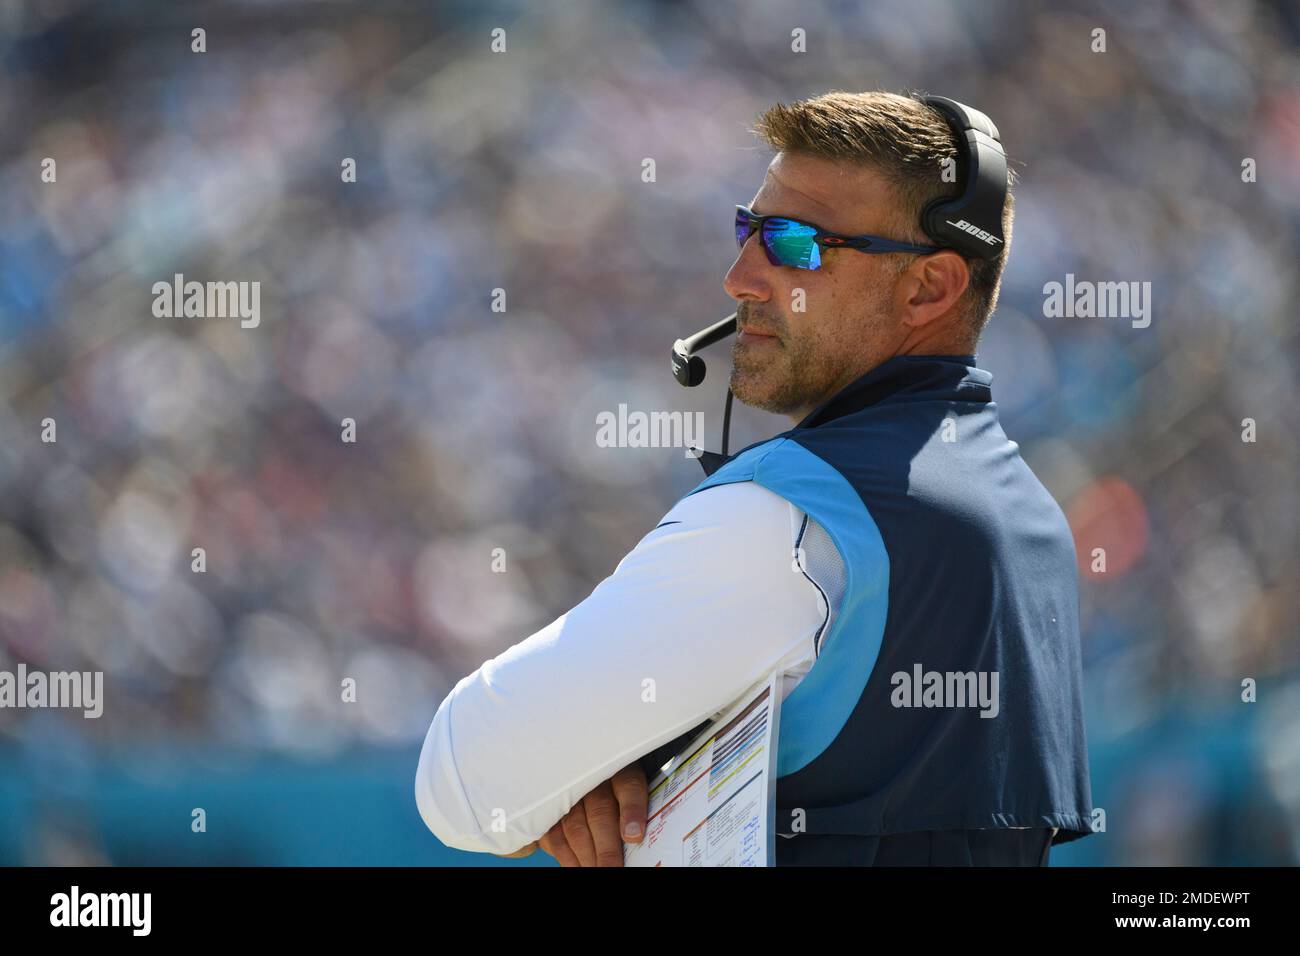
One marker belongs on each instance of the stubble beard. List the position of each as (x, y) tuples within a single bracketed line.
[(792, 374), (780, 377)]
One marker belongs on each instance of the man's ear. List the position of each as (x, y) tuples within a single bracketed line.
[(931, 286)]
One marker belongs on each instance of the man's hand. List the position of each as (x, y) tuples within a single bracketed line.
[(521, 852), (593, 832)]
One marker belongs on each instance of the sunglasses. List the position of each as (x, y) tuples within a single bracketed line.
[(790, 242)]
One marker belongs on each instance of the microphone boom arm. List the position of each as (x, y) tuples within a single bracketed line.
[(688, 369)]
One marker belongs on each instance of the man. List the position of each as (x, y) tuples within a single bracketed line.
[(891, 554)]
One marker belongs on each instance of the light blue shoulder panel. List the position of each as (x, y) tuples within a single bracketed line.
[(815, 711)]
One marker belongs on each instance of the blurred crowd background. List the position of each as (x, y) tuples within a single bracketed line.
[(476, 429)]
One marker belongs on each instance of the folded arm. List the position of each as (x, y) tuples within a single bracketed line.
[(705, 606)]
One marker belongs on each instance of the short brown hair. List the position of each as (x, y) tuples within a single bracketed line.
[(906, 141)]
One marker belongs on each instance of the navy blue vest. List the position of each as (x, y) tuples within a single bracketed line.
[(958, 564)]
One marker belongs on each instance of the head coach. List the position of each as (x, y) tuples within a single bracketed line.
[(891, 553)]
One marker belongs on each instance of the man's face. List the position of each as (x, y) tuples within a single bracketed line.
[(848, 325)]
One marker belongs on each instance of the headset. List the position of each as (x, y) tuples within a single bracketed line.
[(969, 223), (972, 222)]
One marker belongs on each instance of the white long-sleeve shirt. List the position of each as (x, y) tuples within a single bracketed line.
[(704, 607)]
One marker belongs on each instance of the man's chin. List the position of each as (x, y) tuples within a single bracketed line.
[(758, 394)]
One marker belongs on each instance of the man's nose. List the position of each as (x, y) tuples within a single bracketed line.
[(747, 278)]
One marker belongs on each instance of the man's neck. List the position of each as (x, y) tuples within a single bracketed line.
[(798, 416), (845, 381)]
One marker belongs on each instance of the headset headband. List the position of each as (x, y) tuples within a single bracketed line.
[(970, 223)]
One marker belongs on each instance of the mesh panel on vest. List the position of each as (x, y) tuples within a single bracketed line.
[(825, 568)]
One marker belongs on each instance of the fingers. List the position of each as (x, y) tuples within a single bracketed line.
[(521, 852), (629, 786), (554, 843), (602, 822), (578, 834), (592, 833)]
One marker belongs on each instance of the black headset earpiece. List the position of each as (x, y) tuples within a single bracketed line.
[(971, 222)]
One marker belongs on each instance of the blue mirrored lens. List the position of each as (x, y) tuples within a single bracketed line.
[(742, 228), (792, 243)]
